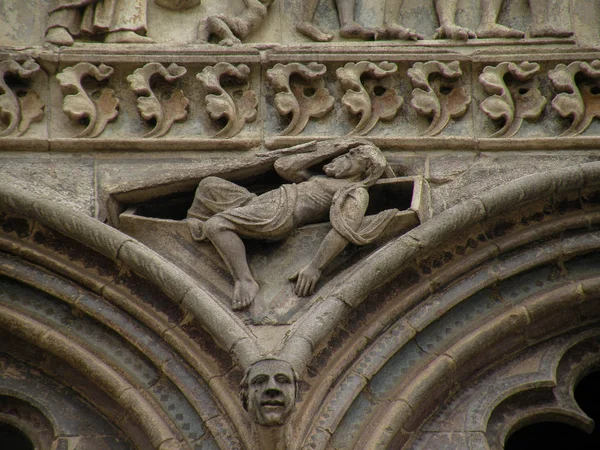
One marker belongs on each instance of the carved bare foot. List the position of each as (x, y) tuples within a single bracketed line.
[(498, 31), (454, 32), (549, 32), (244, 293), (229, 41), (395, 31), (126, 37), (59, 36), (356, 31), (313, 32)]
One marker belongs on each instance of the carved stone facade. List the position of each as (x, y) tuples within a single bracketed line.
[(286, 224)]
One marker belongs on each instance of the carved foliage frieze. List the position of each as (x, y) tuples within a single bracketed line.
[(229, 97), (98, 109), (154, 108), (514, 95), (301, 93), (327, 98), (579, 97), (18, 107), (438, 93), (370, 93)]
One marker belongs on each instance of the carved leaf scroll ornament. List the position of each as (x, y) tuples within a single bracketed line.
[(78, 105), (302, 99), (438, 97), (369, 93), (578, 98), (18, 112), (165, 113), (514, 98), (229, 96)]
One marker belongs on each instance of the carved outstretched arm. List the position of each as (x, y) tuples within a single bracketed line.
[(295, 167), (306, 279)]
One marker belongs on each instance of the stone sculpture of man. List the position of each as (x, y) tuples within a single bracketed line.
[(348, 27), (268, 392), (123, 21), (224, 212)]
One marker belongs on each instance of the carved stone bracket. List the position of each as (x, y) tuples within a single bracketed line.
[(229, 96), (578, 98), (302, 99), (437, 93), (369, 93), (515, 96), (18, 112), (78, 105), (166, 112)]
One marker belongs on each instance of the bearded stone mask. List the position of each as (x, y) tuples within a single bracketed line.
[(269, 392)]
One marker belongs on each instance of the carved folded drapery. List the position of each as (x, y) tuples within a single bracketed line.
[(98, 16)]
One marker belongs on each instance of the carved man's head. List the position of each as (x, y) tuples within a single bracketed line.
[(269, 391), (364, 162), (374, 161)]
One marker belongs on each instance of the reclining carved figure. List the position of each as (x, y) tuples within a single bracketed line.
[(224, 212), (232, 30)]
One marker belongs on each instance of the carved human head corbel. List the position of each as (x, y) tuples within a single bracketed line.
[(268, 391)]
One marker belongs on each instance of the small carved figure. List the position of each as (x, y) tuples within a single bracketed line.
[(123, 21), (231, 30), (224, 212), (269, 391), (348, 27)]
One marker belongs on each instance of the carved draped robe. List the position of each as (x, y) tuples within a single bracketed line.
[(270, 215), (98, 16)]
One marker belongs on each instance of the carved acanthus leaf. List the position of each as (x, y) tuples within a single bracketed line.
[(438, 97), (236, 103), (578, 98), (372, 99), (167, 112), (18, 112), (78, 105), (300, 99), (512, 101)]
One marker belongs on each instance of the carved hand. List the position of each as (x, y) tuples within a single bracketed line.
[(306, 280)]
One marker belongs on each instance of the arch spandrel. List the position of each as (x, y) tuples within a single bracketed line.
[(412, 342)]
